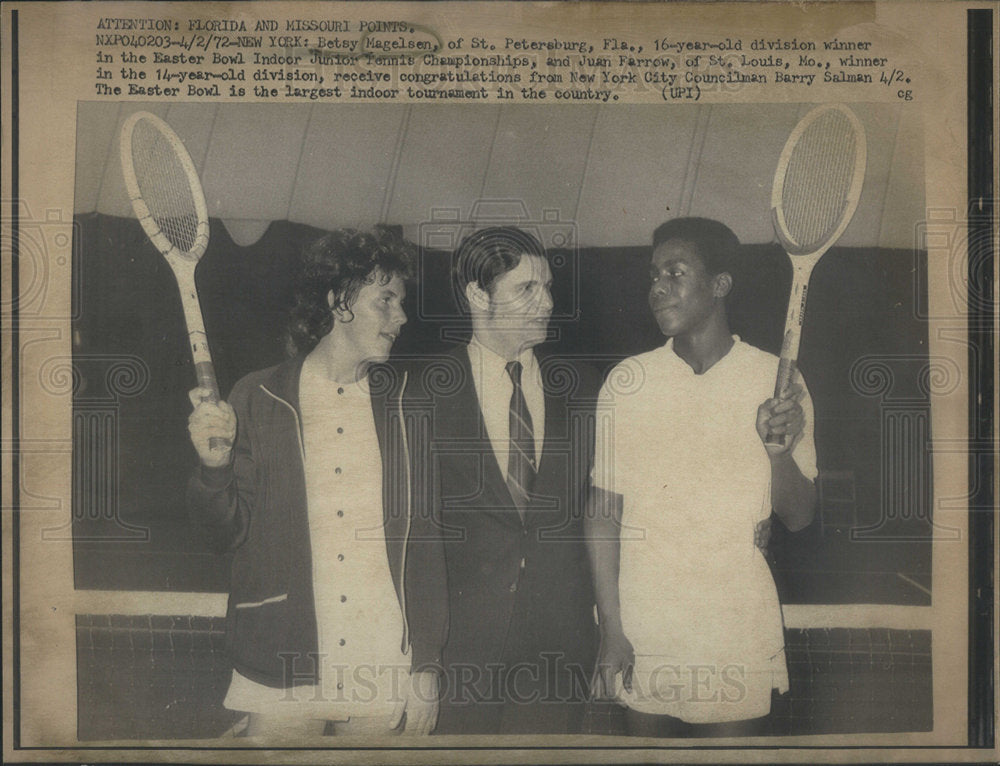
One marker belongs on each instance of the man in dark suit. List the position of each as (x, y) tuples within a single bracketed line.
[(510, 455)]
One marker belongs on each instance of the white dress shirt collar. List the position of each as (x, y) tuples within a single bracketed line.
[(491, 365)]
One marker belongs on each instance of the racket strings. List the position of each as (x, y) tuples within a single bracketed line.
[(164, 186), (818, 180)]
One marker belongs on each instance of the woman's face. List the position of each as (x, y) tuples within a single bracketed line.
[(374, 318)]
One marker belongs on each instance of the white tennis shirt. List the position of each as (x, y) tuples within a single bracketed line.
[(363, 669), (698, 601)]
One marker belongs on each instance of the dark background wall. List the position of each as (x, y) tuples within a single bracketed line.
[(864, 355)]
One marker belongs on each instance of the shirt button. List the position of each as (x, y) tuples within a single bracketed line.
[(340, 686), (340, 390), (340, 430), (522, 563), (513, 587), (337, 470), (343, 599), (340, 513), (340, 557), (342, 642)]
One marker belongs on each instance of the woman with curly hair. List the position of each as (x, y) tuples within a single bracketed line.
[(305, 475)]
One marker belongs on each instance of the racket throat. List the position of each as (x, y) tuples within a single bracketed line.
[(802, 268), (793, 322)]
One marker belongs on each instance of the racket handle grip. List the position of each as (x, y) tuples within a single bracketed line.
[(786, 371), (205, 373)]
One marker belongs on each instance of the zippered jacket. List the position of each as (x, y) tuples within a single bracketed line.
[(255, 507)]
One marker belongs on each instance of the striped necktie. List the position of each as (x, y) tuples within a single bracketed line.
[(521, 462)]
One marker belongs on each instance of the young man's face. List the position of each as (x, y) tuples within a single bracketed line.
[(378, 318), (683, 295), (521, 302)]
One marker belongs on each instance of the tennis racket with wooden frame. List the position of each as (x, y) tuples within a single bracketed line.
[(168, 200), (817, 185)]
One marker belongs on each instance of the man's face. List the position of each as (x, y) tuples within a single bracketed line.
[(521, 302), (378, 317), (683, 294)]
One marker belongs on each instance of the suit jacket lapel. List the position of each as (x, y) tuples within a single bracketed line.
[(554, 433), (464, 425), (552, 406)]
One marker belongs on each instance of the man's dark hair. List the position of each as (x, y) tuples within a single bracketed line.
[(488, 254), (342, 261), (715, 242)]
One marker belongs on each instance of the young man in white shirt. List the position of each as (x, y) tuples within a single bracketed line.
[(691, 628)]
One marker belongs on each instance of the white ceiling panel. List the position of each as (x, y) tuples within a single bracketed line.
[(348, 160), (735, 166), (881, 123), (539, 160), (443, 162), (612, 172), (635, 175), (903, 210), (251, 164), (96, 134), (198, 121)]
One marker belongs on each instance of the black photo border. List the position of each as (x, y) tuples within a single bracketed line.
[(982, 453)]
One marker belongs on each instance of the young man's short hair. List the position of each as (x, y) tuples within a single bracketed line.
[(342, 262), (488, 254), (715, 242)]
